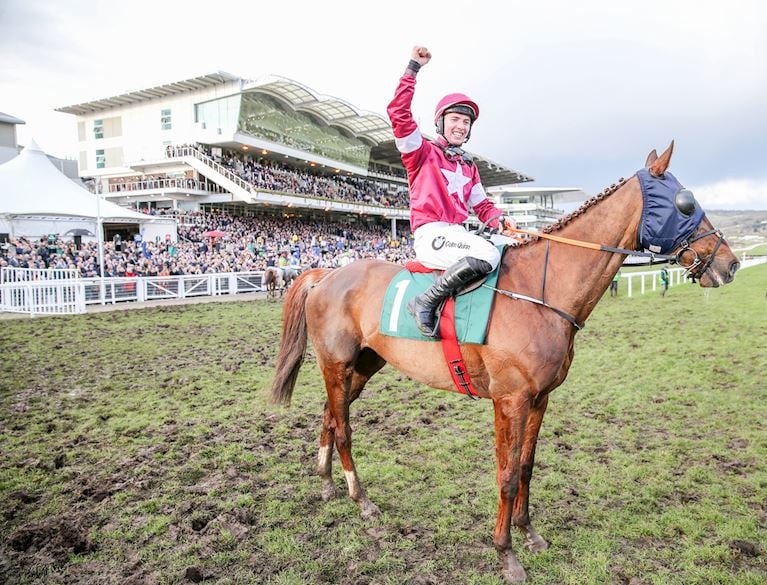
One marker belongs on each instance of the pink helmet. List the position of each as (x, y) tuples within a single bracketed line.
[(458, 103)]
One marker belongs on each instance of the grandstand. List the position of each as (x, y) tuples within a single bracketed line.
[(266, 147)]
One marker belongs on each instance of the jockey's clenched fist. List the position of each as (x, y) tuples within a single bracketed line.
[(420, 55)]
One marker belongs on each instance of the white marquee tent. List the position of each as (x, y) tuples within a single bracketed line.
[(36, 199)]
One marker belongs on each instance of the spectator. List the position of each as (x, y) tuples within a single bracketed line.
[(614, 284)]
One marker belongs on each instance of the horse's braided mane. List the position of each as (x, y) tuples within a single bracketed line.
[(563, 221)]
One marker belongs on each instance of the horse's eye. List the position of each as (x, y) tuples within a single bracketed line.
[(685, 202)]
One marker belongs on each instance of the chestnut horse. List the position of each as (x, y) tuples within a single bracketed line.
[(340, 311)]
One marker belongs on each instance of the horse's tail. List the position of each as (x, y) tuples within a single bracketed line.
[(294, 335)]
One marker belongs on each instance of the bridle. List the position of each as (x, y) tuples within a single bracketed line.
[(698, 267)]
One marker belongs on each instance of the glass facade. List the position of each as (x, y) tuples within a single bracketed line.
[(266, 118), (221, 113)]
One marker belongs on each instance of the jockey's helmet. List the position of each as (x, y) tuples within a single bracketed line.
[(455, 103)]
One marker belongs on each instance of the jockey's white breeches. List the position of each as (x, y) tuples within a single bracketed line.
[(440, 245)]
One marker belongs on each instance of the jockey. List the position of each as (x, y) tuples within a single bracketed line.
[(444, 182)]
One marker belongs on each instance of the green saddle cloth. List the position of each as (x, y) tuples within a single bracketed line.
[(472, 310)]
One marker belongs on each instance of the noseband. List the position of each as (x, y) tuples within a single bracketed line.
[(697, 268)]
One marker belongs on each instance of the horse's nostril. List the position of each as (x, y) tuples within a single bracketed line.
[(734, 268)]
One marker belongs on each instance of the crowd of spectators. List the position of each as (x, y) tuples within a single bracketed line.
[(248, 244), (268, 175)]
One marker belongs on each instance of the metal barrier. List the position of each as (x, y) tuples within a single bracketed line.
[(152, 288)]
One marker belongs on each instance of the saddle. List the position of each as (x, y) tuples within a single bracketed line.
[(463, 318), (416, 267)]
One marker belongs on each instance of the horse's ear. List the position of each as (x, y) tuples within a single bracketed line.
[(651, 158), (659, 166)]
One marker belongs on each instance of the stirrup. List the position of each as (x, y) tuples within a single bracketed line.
[(437, 316)]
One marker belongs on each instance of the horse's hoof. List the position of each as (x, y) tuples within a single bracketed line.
[(328, 491), (369, 510), (512, 570), (534, 542)]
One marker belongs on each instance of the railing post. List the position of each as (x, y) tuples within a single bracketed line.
[(232, 283), (30, 300), (141, 291), (631, 280)]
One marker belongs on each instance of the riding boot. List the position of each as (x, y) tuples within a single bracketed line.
[(424, 306)]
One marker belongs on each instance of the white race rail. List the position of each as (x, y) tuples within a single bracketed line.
[(72, 295)]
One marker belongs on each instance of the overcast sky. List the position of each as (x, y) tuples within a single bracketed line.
[(573, 93)]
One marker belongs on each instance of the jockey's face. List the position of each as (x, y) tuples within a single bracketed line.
[(457, 128)]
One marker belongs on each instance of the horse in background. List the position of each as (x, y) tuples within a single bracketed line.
[(529, 347), (289, 274), (273, 282), (277, 280)]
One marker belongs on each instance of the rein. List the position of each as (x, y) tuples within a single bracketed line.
[(592, 246)]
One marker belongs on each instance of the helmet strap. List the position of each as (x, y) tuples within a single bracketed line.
[(441, 128)]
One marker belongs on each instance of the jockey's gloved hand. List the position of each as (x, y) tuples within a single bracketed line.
[(494, 226), (507, 223)]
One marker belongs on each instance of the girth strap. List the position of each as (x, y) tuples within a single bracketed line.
[(452, 350)]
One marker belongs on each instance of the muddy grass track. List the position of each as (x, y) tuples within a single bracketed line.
[(139, 447)]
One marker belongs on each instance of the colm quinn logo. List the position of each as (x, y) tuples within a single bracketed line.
[(439, 242)]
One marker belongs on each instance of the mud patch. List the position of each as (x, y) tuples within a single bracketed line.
[(45, 544)]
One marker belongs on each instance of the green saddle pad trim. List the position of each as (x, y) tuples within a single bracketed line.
[(472, 310)]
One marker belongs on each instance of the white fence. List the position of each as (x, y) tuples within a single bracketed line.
[(68, 296), (748, 261), (152, 288), (41, 291), (9, 274), (675, 276)]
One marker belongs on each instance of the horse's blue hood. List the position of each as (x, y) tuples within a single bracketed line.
[(664, 227)]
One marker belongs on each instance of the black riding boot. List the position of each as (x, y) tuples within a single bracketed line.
[(424, 306)]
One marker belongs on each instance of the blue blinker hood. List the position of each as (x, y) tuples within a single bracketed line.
[(663, 227)]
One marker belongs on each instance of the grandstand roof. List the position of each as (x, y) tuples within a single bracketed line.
[(369, 126), (151, 93), (8, 119), (534, 190), (366, 125), (332, 110)]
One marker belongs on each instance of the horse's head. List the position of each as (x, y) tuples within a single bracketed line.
[(673, 223)]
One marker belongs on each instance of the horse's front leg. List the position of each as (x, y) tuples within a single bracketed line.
[(511, 413), (521, 514)]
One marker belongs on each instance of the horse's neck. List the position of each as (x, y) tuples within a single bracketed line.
[(578, 277)]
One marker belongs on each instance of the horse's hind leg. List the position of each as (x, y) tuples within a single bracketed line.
[(325, 455), (521, 514), (344, 385)]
